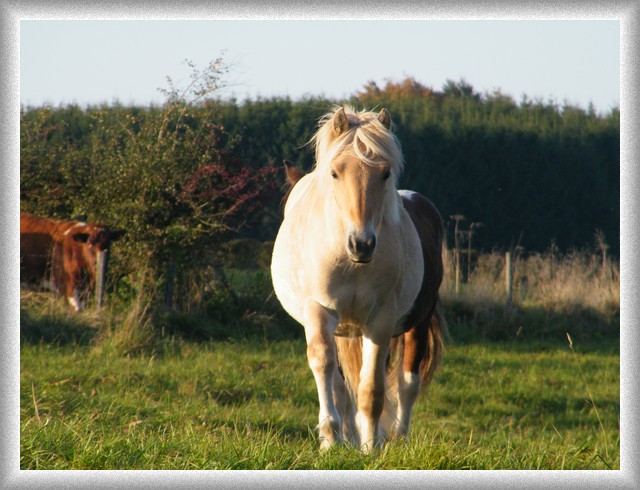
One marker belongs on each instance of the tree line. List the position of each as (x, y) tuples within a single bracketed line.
[(197, 171), (532, 172)]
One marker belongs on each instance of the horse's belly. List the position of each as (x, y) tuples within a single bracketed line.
[(287, 276)]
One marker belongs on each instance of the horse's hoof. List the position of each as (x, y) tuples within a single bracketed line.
[(326, 444)]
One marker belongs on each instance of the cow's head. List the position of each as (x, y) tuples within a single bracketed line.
[(85, 243), (94, 239)]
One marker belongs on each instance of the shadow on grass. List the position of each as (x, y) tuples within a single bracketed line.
[(256, 317), (55, 328), (532, 328), (222, 317), (529, 410)]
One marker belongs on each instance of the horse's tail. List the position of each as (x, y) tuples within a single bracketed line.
[(437, 333), (349, 353), (349, 350)]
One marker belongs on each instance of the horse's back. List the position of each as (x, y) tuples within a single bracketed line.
[(428, 224)]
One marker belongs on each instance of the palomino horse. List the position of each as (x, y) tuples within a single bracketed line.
[(358, 264)]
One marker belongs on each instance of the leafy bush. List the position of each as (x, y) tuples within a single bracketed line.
[(169, 176)]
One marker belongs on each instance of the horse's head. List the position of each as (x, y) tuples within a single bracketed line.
[(360, 159)]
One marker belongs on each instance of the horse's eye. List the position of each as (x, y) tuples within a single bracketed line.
[(386, 174), (334, 174)]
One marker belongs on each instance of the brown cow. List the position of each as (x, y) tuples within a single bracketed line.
[(62, 255)]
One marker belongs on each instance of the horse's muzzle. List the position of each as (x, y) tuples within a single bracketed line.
[(361, 248)]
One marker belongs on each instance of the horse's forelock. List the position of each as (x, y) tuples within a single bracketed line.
[(367, 138)]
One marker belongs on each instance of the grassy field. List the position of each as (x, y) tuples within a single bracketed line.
[(135, 389), (253, 406)]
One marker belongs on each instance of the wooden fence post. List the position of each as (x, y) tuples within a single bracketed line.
[(456, 233), (508, 278), (469, 253), (170, 280), (471, 228), (457, 271), (601, 241), (101, 275), (552, 258)]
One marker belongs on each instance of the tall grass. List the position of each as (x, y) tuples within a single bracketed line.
[(552, 294), (136, 319), (576, 279), (121, 327)]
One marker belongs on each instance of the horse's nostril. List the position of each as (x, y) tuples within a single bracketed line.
[(361, 248), (371, 243), (353, 245)]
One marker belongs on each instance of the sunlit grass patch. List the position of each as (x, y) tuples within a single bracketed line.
[(252, 405)]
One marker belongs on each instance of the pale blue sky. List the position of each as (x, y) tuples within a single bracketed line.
[(92, 62)]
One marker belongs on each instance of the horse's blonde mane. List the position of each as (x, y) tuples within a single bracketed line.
[(367, 138)]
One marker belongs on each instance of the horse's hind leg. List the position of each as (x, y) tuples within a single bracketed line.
[(321, 354), (415, 348)]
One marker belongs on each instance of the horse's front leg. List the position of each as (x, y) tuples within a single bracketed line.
[(319, 326), (371, 390)]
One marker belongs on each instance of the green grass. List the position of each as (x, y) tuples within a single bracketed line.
[(252, 405), (223, 382)]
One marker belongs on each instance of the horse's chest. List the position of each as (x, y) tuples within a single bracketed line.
[(355, 296), (357, 308)]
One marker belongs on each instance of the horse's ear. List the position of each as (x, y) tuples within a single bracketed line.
[(385, 118), (293, 174), (340, 122)]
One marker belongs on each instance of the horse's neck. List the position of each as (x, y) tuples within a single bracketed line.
[(328, 218), (302, 195), (316, 211)]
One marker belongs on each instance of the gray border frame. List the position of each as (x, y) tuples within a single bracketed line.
[(12, 11)]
